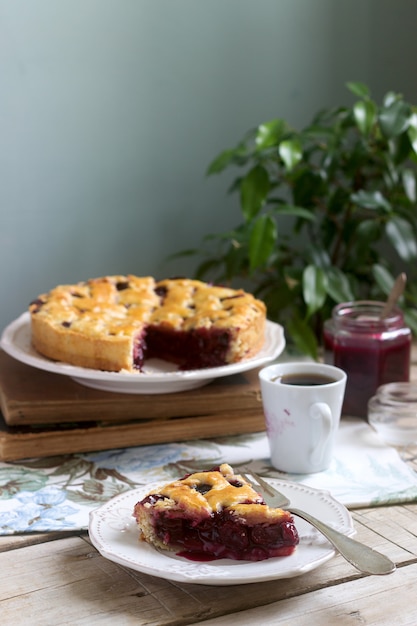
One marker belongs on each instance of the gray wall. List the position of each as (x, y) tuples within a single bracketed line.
[(111, 110)]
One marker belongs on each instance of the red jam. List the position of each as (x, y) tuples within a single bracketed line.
[(372, 351)]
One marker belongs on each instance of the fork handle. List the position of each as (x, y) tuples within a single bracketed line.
[(364, 558)]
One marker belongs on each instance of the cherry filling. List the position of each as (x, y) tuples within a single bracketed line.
[(122, 285), (161, 291), (194, 349), (139, 349), (222, 535), (36, 305)]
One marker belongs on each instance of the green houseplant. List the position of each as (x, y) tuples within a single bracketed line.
[(328, 213)]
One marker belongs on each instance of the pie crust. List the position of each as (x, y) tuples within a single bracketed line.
[(114, 323), (215, 514)]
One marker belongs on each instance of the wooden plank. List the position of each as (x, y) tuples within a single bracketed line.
[(374, 601), (17, 443), (403, 525), (32, 396), (13, 542), (71, 584)]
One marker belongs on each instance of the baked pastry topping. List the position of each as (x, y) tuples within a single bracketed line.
[(115, 322), (212, 515)]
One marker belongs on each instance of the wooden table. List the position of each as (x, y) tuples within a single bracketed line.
[(56, 578)]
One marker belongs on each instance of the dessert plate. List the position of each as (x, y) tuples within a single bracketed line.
[(157, 377), (113, 531)]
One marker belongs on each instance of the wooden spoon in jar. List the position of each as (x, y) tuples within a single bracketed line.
[(394, 295)]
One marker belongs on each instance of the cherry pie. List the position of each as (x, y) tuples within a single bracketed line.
[(212, 515), (115, 322)]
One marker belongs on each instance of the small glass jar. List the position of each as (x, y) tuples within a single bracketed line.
[(393, 413), (372, 351)]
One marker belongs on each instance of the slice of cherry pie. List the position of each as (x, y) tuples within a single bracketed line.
[(212, 515)]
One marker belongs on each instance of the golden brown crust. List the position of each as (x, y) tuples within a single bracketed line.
[(77, 348), (96, 323), (184, 494)]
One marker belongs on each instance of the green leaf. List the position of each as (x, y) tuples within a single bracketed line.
[(295, 211), (254, 189), (383, 278), (412, 131), (236, 261), (359, 89), (365, 113), (262, 241), (389, 98), (319, 256), (314, 288), (409, 184), (183, 253), (291, 152), (410, 316), (270, 133), (307, 186), (394, 119), (338, 285), (221, 162), (370, 200), (412, 135), (302, 336), (400, 150), (206, 267), (368, 230), (402, 237)]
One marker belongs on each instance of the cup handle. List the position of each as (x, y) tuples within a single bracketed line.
[(320, 412)]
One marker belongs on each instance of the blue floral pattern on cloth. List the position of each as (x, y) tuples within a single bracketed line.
[(128, 459), (58, 493), (34, 511)]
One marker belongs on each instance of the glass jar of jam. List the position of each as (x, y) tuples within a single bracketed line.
[(373, 351)]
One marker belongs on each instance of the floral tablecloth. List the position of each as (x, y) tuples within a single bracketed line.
[(57, 493)]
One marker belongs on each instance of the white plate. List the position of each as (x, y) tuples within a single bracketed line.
[(157, 377), (114, 533)]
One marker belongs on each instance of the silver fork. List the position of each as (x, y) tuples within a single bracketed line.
[(364, 558)]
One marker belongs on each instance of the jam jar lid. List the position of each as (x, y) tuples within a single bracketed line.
[(392, 412)]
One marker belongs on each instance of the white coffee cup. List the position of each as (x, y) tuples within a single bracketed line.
[(302, 405)]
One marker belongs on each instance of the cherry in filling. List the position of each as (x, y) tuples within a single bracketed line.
[(194, 349), (223, 536)]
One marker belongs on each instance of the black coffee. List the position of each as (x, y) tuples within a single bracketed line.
[(306, 379)]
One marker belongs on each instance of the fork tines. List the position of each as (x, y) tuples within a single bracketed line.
[(261, 482)]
